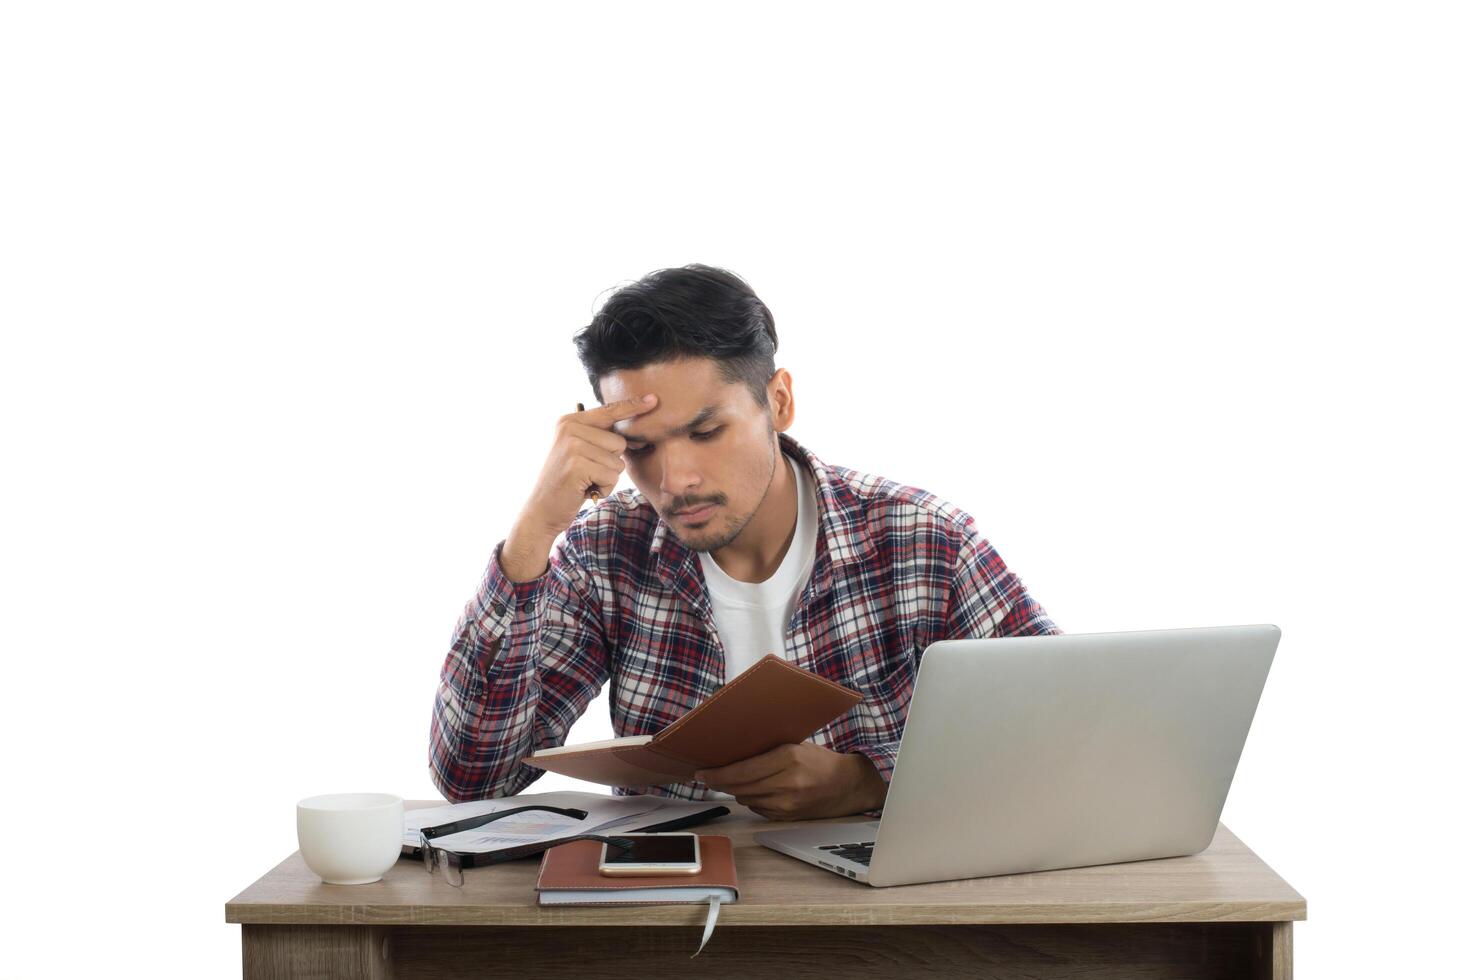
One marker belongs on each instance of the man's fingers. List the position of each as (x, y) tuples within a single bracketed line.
[(769, 786), (603, 416), (773, 807), (746, 770), (603, 481), (600, 438), (591, 455)]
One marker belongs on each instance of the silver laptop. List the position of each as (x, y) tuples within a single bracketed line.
[(1041, 752)]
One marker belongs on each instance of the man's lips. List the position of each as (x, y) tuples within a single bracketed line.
[(696, 514)]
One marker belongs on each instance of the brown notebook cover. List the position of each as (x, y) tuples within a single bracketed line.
[(770, 704), (573, 867)]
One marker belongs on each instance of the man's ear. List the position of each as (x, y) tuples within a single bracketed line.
[(780, 399)]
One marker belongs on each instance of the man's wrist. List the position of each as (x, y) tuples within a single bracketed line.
[(870, 791), (525, 556)]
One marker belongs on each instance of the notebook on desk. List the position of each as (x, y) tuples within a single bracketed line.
[(570, 876)]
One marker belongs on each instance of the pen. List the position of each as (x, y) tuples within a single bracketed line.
[(593, 493)]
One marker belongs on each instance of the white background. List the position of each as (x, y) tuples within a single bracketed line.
[(1168, 295)]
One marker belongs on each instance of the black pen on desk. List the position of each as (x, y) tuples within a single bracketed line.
[(593, 494)]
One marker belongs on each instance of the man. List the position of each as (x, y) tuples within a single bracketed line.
[(736, 542)]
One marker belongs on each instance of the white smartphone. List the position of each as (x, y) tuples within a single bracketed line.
[(652, 854)]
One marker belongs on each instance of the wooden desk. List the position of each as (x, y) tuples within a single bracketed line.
[(1221, 913)]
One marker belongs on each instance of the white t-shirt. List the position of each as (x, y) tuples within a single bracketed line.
[(751, 617)]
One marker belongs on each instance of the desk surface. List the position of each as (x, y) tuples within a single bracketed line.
[(1224, 883)]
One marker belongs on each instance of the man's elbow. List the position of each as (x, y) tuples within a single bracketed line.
[(468, 791), (454, 792)]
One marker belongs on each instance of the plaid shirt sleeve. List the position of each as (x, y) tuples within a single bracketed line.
[(986, 599), (526, 660)]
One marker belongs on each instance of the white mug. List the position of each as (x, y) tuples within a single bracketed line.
[(350, 838)]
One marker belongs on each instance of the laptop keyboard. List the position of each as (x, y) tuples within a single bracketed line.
[(860, 853)]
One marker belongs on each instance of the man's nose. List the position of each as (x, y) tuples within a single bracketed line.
[(679, 474)]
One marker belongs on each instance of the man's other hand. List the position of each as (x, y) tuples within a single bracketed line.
[(801, 781)]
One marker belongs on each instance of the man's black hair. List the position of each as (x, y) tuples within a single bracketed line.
[(693, 311)]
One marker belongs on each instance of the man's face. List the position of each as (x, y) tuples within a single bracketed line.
[(705, 456)]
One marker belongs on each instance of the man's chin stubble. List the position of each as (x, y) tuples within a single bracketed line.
[(708, 541), (711, 544)]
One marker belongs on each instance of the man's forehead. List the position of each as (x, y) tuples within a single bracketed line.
[(644, 428)]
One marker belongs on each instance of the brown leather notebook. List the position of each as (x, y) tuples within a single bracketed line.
[(770, 704), (571, 870)]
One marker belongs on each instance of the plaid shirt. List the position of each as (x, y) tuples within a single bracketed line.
[(624, 601)]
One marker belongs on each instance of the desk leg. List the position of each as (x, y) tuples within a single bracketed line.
[(1273, 952), (311, 952)]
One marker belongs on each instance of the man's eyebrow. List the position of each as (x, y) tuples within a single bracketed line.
[(703, 417)]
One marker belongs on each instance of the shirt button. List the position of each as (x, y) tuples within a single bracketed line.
[(499, 608)]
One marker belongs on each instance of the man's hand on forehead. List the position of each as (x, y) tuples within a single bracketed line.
[(585, 458)]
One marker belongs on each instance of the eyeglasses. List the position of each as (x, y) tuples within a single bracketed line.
[(453, 863)]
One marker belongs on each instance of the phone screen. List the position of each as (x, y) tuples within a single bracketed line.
[(654, 850)]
